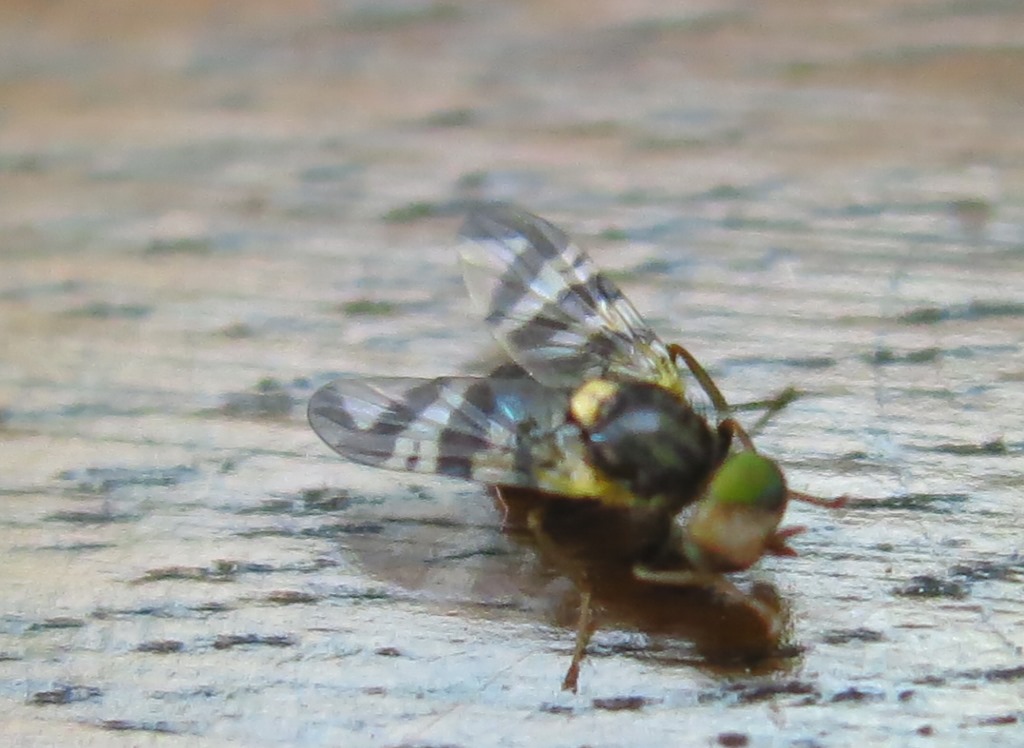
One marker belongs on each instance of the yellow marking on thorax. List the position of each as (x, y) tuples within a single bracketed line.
[(587, 401), (586, 482), (669, 377), (671, 381)]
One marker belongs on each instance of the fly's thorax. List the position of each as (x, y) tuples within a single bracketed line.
[(648, 438), (736, 521)]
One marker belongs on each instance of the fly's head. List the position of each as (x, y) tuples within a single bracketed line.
[(737, 520)]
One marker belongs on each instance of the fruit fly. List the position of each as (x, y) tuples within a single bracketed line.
[(593, 408)]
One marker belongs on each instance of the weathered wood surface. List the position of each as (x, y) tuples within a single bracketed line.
[(206, 210)]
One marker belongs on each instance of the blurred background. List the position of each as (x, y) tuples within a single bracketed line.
[(208, 208)]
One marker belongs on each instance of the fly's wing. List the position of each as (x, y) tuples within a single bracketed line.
[(487, 430), (546, 303)]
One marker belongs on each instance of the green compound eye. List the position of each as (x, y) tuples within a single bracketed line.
[(748, 479)]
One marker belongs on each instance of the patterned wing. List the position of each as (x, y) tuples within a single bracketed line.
[(488, 430), (546, 303)]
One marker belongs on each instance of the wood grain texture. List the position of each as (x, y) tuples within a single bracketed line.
[(206, 212)]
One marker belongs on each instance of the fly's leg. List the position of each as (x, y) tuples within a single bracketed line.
[(584, 630), (718, 585), (771, 406), (677, 352), (836, 503), (584, 621), (739, 433), (514, 517), (778, 545)]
